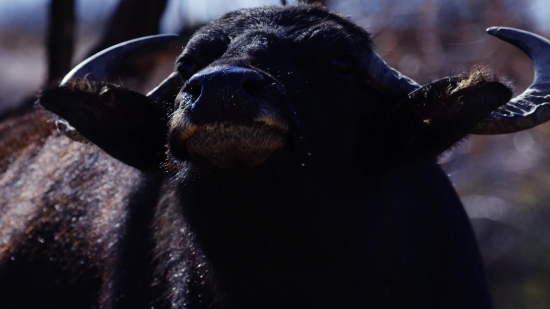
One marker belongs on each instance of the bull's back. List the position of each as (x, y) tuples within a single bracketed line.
[(65, 217)]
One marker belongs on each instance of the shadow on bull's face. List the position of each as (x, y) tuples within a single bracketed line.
[(254, 95), (237, 115)]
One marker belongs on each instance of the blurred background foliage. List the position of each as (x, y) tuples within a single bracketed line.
[(503, 181)]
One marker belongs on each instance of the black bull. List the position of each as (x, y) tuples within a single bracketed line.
[(283, 164)]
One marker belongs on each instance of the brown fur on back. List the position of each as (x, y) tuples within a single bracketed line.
[(61, 210), (22, 134)]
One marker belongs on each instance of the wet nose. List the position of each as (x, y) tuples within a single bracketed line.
[(224, 93)]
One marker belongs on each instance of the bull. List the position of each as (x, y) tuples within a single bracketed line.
[(281, 164)]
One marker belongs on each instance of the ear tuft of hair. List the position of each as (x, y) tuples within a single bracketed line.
[(438, 115), (478, 76)]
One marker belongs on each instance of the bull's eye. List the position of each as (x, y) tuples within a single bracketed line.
[(340, 66), (187, 69)]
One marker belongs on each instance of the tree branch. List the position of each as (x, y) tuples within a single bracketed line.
[(60, 43)]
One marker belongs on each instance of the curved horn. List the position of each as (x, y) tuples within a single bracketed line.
[(99, 66), (389, 78), (532, 107)]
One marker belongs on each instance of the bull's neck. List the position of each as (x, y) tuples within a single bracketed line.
[(322, 238), (285, 228)]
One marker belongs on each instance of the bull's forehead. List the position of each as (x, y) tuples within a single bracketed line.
[(257, 27)]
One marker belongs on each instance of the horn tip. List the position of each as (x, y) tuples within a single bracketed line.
[(502, 32), (492, 30), (510, 35)]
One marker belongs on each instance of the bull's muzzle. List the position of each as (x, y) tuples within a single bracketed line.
[(230, 115), (224, 94)]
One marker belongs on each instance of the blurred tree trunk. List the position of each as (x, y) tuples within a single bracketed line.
[(60, 39), (131, 19), (59, 51)]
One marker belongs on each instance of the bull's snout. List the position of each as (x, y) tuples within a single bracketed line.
[(229, 115), (223, 94)]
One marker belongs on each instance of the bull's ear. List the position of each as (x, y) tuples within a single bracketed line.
[(125, 124), (438, 115)]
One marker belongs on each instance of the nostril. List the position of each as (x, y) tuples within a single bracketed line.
[(253, 86), (194, 89)]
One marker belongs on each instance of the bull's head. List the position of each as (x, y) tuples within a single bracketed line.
[(252, 86)]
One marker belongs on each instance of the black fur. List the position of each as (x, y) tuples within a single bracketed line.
[(352, 212)]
